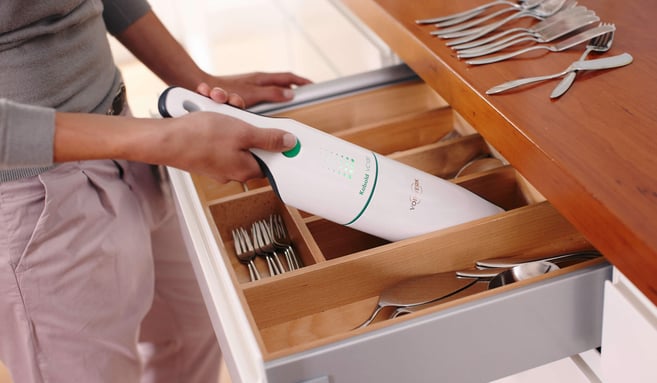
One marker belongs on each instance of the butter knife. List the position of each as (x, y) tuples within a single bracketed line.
[(564, 85), (605, 63), (563, 45)]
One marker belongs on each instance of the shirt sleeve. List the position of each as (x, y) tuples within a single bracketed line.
[(120, 14), (27, 135)]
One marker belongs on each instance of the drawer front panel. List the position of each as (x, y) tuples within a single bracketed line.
[(478, 342), (629, 334)]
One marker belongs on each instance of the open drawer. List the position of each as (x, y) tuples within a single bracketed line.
[(299, 326)]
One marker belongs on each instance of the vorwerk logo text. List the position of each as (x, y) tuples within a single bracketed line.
[(416, 193)]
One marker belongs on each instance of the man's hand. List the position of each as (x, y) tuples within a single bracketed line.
[(253, 88)]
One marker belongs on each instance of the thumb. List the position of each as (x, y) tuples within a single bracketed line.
[(273, 140)]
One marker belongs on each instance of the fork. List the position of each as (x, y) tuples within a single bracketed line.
[(265, 248), (281, 240), (598, 44), (461, 28), (467, 28), (563, 45), (245, 252), (470, 13), (578, 11), (545, 9), (547, 35)]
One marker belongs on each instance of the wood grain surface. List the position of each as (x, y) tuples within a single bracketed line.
[(591, 152)]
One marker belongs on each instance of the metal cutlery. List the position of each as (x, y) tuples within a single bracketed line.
[(565, 44), (489, 268), (265, 248), (521, 273), (282, 241), (545, 9), (605, 63), (574, 12), (497, 278), (466, 15), (467, 28), (245, 252), (599, 44), (506, 262), (267, 239), (479, 286), (547, 35), (418, 291)]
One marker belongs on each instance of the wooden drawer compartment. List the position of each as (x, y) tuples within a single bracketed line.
[(289, 327)]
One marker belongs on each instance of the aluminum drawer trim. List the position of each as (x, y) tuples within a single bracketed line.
[(345, 85), (237, 341), (479, 341)]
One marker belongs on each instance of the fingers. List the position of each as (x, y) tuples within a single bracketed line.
[(271, 94), (252, 88), (284, 79), (220, 95), (235, 99), (245, 166), (277, 87), (273, 140)]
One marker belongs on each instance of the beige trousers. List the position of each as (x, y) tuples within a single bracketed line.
[(95, 281)]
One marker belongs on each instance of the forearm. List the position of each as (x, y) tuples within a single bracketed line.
[(150, 41), (203, 142), (91, 136)]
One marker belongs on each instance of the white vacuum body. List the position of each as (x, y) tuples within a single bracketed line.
[(345, 183)]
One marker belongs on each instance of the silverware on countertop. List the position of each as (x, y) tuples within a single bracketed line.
[(605, 63), (473, 12), (570, 13), (598, 44), (545, 9), (561, 46), (546, 35)]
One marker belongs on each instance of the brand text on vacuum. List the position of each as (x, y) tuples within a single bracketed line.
[(416, 192), (366, 177)]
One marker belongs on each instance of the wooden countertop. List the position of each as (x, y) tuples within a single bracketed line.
[(592, 153)]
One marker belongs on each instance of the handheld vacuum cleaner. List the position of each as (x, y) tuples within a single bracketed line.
[(345, 183)]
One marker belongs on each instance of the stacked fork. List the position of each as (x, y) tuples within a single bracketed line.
[(540, 27), (245, 252), (469, 31), (268, 240), (545, 31), (476, 37)]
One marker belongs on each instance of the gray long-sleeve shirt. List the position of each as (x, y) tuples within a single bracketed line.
[(54, 55)]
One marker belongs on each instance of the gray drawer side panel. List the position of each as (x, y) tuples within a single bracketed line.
[(476, 342)]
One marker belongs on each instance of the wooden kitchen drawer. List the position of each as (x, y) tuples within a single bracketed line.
[(299, 326)]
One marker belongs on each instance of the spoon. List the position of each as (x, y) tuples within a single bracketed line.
[(500, 278), (419, 290), (560, 259), (521, 272)]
